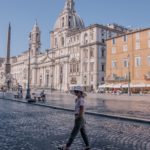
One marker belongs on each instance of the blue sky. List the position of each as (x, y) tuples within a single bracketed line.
[(22, 15)]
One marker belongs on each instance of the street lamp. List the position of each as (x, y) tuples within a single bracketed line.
[(28, 95), (85, 79), (129, 78)]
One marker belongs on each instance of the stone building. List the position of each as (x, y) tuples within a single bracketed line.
[(77, 54)]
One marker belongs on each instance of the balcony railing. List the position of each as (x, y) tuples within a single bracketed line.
[(147, 76), (116, 79)]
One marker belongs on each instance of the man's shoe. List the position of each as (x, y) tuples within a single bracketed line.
[(63, 148)]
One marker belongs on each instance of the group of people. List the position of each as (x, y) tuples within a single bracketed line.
[(42, 95), (20, 91)]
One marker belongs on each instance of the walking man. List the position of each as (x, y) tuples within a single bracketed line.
[(79, 124)]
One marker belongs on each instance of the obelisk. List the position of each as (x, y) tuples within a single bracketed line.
[(8, 65)]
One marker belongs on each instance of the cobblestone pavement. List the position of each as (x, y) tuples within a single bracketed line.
[(28, 127)]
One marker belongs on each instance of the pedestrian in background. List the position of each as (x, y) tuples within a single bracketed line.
[(42, 94), (79, 124)]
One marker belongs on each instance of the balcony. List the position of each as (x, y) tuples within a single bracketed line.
[(114, 78), (147, 76)]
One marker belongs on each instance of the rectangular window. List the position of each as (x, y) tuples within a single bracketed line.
[(125, 63), (126, 76), (125, 48), (91, 78), (86, 53), (92, 35), (137, 35), (137, 61), (91, 66), (55, 41), (71, 68), (63, 22), (149, 43), (137, 46), (102, 78), (148, 59), (125, 38), (78, 68), (85, 67), (103, 67), (114, 64), (103, 52), (113, 50), (74, 68), (113, 41), (149, 34), (91, 52)]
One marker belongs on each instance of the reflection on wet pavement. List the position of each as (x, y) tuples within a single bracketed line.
[(128, 108)]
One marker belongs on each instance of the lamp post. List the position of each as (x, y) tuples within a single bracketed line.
[(85, 79), (129, 78), (28, 95)]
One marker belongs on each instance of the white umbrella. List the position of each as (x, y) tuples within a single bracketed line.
[(117, 85), (140, 85)]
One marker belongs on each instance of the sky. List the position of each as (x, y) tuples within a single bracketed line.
[(23, 13)]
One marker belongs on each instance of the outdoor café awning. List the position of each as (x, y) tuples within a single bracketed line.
[(106, 86), (140, 85), (147, 85)]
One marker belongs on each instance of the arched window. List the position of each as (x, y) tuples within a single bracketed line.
[(37, 37), (69, 21)]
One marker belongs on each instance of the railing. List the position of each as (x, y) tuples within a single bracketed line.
[(116, 79), (147, 77)]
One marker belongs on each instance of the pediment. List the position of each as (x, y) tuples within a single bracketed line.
[(45, 60)]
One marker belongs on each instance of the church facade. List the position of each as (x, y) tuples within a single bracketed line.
[(77, 55)]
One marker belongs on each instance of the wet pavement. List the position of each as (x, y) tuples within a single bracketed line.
[(30, 127), (130, 108)]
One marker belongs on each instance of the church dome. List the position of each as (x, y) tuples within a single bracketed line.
[(75, 21)]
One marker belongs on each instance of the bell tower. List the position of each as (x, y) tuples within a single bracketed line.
[(35, 40)]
